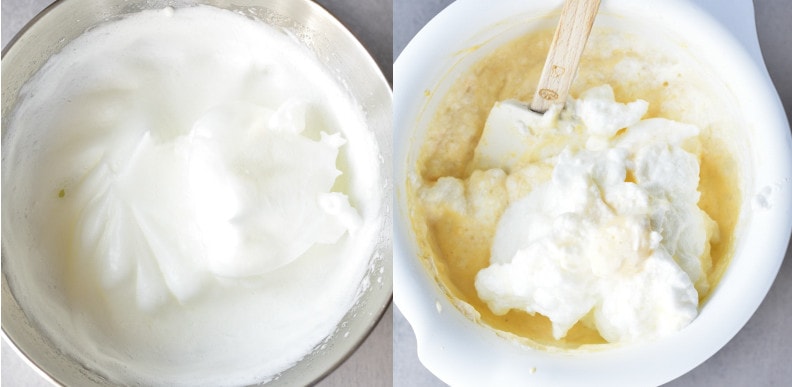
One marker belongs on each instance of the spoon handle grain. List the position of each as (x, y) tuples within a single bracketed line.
[(577, 17)]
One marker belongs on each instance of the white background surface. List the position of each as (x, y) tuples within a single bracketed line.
[(761, 354), (371, 22)]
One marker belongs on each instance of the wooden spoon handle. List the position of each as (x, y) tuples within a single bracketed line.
[(577, 17)]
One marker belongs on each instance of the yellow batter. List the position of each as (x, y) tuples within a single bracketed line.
[(455, 247)]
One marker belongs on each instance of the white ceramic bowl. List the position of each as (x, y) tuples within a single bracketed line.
[(335, 47), (462, 352)]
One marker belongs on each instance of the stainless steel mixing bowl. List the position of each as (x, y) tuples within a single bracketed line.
[(335, 47)]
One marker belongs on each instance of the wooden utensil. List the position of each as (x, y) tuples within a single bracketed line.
[(577, 17)]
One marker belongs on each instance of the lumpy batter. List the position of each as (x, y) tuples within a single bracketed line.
[(190, 199), (460, 197)]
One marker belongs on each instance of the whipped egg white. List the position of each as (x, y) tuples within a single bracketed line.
[(602, 229), (190, 199)]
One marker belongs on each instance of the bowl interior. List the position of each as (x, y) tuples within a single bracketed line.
[(338, 51)]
